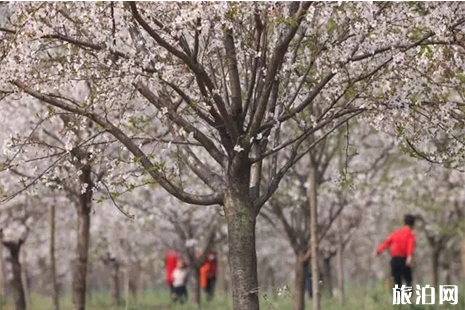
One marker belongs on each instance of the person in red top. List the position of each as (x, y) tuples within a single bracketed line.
[(171, 261), (402, 245)]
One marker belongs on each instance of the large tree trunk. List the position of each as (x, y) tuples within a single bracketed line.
[(327, 277), (16, 282), (299, 283), (53, 272), (115, 294), (241, 219), (196, 291), (82, 251), (312, 199)]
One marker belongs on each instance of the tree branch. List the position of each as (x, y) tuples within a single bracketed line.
[(295, 157), (235, 83), (198, 135), (275, 64), (205, 173), (130, 145)]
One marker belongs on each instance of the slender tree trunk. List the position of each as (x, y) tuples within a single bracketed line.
[(53, 272), (272, 281), (2, 276), (435, 267), (299, 283), (462, 254), (312, 198), (133, 287), (327, 277), (91, 286), (82, 251), (25, 278), (448, 279), (142, 284), (126, 288), (262, 276), (16, 282), (196, 292), (340, 270), (241, 219), (114, 282)]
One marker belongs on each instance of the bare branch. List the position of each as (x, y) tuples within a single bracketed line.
[(204, 172), (201, 74), (214, 198), (198, 135), (295, 157), (275, 64), (235, 83)]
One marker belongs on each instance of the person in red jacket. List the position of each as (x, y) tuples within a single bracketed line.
[(171, 261), (402, 245)]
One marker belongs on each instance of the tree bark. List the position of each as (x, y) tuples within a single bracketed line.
[(241, 219), (2, 276), (133, 287), (82, 251), (327, 278), (462, 250), (221, 277), (272, 281), (126, 288), (115, 294), (25, 279), (312, 199), (435, 267), (340, 271), (448, 279), (299, 283), (53, 272), (196, 292), (16, 283)]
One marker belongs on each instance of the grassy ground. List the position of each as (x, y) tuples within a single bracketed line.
[(373, 298)]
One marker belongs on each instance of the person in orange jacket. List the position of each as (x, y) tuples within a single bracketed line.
[(208, 275)]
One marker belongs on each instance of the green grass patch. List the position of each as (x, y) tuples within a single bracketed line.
[(362, 298)]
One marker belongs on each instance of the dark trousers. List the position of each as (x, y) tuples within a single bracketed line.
[(401, 272), (179, 293), (210, 288)]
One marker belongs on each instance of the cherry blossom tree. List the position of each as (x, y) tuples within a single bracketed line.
[(13, 236), (198, 231), (125, 246), (15, 225), (341, 165), (226, 81), (437, 203)]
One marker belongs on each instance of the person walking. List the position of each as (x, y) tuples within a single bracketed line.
[(402, 245), (180, 275)]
